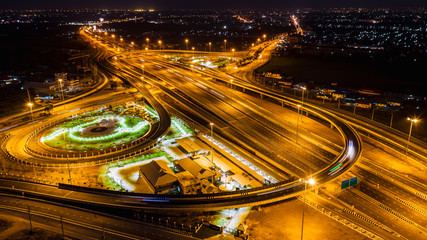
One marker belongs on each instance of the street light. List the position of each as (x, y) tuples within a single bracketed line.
[(160, 44), (210, 47), (225, 45), (310, 181), (62, 92), (147, 40), (298, 118), (412, 120), (264, 36), (192, 48), (142, 70), (212, 152), (186, 44), (302, 96), (30, 104), (233, 50)]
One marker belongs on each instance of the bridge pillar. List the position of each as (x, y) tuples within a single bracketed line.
[(332, 126), (283, 104), (261, 95)]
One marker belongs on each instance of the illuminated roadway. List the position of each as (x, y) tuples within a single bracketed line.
[(344, 160), (269, 193)]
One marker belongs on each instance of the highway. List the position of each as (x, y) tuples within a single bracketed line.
[(395, 202), (269, 193)]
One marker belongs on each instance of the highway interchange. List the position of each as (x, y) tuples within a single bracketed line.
[(387, 203)]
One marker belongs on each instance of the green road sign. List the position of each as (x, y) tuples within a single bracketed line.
[(349, 183), (345, 184), (353, 181)]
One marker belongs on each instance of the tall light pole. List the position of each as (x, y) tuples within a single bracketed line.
[(212, 152), (143, 72), (62, 92), (233, 50), (373, 111), (210, 47), (412, 120), (298, 118), (147, 40), (30, 104), (186, 44), (264, 36), (193, 48), (302, 96), (225, 45), (311, 181), (160, 44)]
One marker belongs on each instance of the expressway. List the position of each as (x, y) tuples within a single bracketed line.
[(241, 122), (268, 193), (226, 112)]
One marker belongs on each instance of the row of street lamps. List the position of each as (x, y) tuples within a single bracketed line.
[(147, 40)]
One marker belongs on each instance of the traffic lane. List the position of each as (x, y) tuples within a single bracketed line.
[(86, 223), (390, 200), (376, 177), (386, 218)]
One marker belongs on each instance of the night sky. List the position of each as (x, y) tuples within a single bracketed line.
[(215, 4)]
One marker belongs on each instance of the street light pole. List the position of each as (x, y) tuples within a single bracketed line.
[(186, 44), (298, 119), (32, 116), (212, 151), (311, 182), (210, 47), (302, 96), (412, 120), (225, 45), (62, 92)]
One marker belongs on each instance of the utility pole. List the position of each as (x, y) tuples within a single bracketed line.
[(391, 120)]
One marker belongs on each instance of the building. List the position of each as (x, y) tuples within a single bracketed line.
[(198, 171), (159, 176), (188, 145)]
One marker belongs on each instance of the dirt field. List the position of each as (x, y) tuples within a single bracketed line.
[(282, 221)]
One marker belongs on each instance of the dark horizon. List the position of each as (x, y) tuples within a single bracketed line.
[(220, 4)]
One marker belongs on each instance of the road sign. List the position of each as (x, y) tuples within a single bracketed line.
[(348, 183), (353, 181), (345, 184)]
